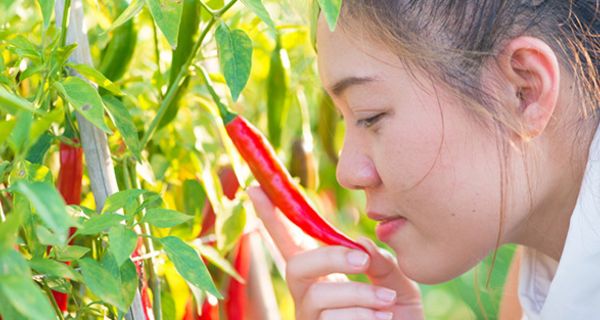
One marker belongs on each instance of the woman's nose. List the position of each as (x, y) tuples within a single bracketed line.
[(355, 169)]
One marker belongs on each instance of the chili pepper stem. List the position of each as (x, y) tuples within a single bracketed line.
[(226, 114)]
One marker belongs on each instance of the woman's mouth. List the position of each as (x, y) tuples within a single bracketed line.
[(388, 227)]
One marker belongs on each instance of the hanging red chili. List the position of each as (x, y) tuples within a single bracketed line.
[(230, 186), (236, 298), (275, 179), (146, 303), (69, 186)]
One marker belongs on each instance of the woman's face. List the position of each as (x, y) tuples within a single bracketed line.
[(417, 154)]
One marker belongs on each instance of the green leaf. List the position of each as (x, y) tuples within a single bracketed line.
[(85, 98), (124, 123), (165, 218), (54, 268), (211, 254), (6, 127), (22, 294), (19, 289), (229, 226), (331, 11), (120, 199), (134, 8), (25, 48), (38, 150), (8, 311), (41, 125), (49, 205), (47, 7), (189, 265), (68, 253), (97, 77), (37, 172), (46, 237), (102, 283), (259, 9), (99, 223), (193, 197), (167, 14), (235, 56), (122, 243), (129, 283), (19, 137), (11, 103), (9, 232)]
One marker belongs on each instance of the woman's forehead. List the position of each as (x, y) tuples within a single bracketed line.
[(346, 54)]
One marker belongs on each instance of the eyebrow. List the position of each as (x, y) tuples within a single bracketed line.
[(339, 87)]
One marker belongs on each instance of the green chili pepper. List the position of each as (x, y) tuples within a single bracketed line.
[(117, 55), (277, 90), (188, 27)]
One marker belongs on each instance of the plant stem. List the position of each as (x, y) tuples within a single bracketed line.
[(153, 279), (171, 93), (157, 55), (52, 300), (226, 114), (65, 17), (225, 8), (207, 8)]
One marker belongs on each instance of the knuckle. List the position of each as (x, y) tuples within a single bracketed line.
[(292, 269), (313, 294)]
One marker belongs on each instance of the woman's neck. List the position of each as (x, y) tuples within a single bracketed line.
[(547, 225)]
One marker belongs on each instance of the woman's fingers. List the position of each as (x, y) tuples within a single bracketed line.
[(308, 267), (383, 270), (287, 237), (355, 314), (335, 295)]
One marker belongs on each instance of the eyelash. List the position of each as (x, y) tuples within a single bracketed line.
[(368, 122)]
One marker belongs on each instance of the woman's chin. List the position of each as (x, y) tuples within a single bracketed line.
[(431, 272)]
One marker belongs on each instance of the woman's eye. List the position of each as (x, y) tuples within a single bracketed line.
[(368, 122)]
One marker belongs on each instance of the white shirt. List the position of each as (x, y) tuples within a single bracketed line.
[(570, 289)]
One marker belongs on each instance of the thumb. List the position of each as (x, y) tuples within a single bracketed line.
[(288, 238), (383, 270)]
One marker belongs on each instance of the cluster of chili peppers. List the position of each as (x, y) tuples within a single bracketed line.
[(274, 178)]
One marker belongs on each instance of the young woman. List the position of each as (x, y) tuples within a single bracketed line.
[(469, 125)]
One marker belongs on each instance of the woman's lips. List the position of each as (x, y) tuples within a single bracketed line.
[(386, 228)]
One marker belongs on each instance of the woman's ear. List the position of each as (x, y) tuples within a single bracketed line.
[(531, 68)]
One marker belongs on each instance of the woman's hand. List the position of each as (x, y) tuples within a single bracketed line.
[(318, 290)]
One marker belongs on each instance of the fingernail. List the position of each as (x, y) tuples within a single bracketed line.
[(385, 295), (357, 258), (384, 315)]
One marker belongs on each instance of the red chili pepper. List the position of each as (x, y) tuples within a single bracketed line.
[(146, 303), (230, 186), (71, 171), (69, 186), (209, 311), (274, 179), (235, 300)]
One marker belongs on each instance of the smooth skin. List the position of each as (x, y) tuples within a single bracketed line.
[(418, 153)]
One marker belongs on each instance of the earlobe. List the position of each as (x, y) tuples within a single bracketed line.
[(532, 70)]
